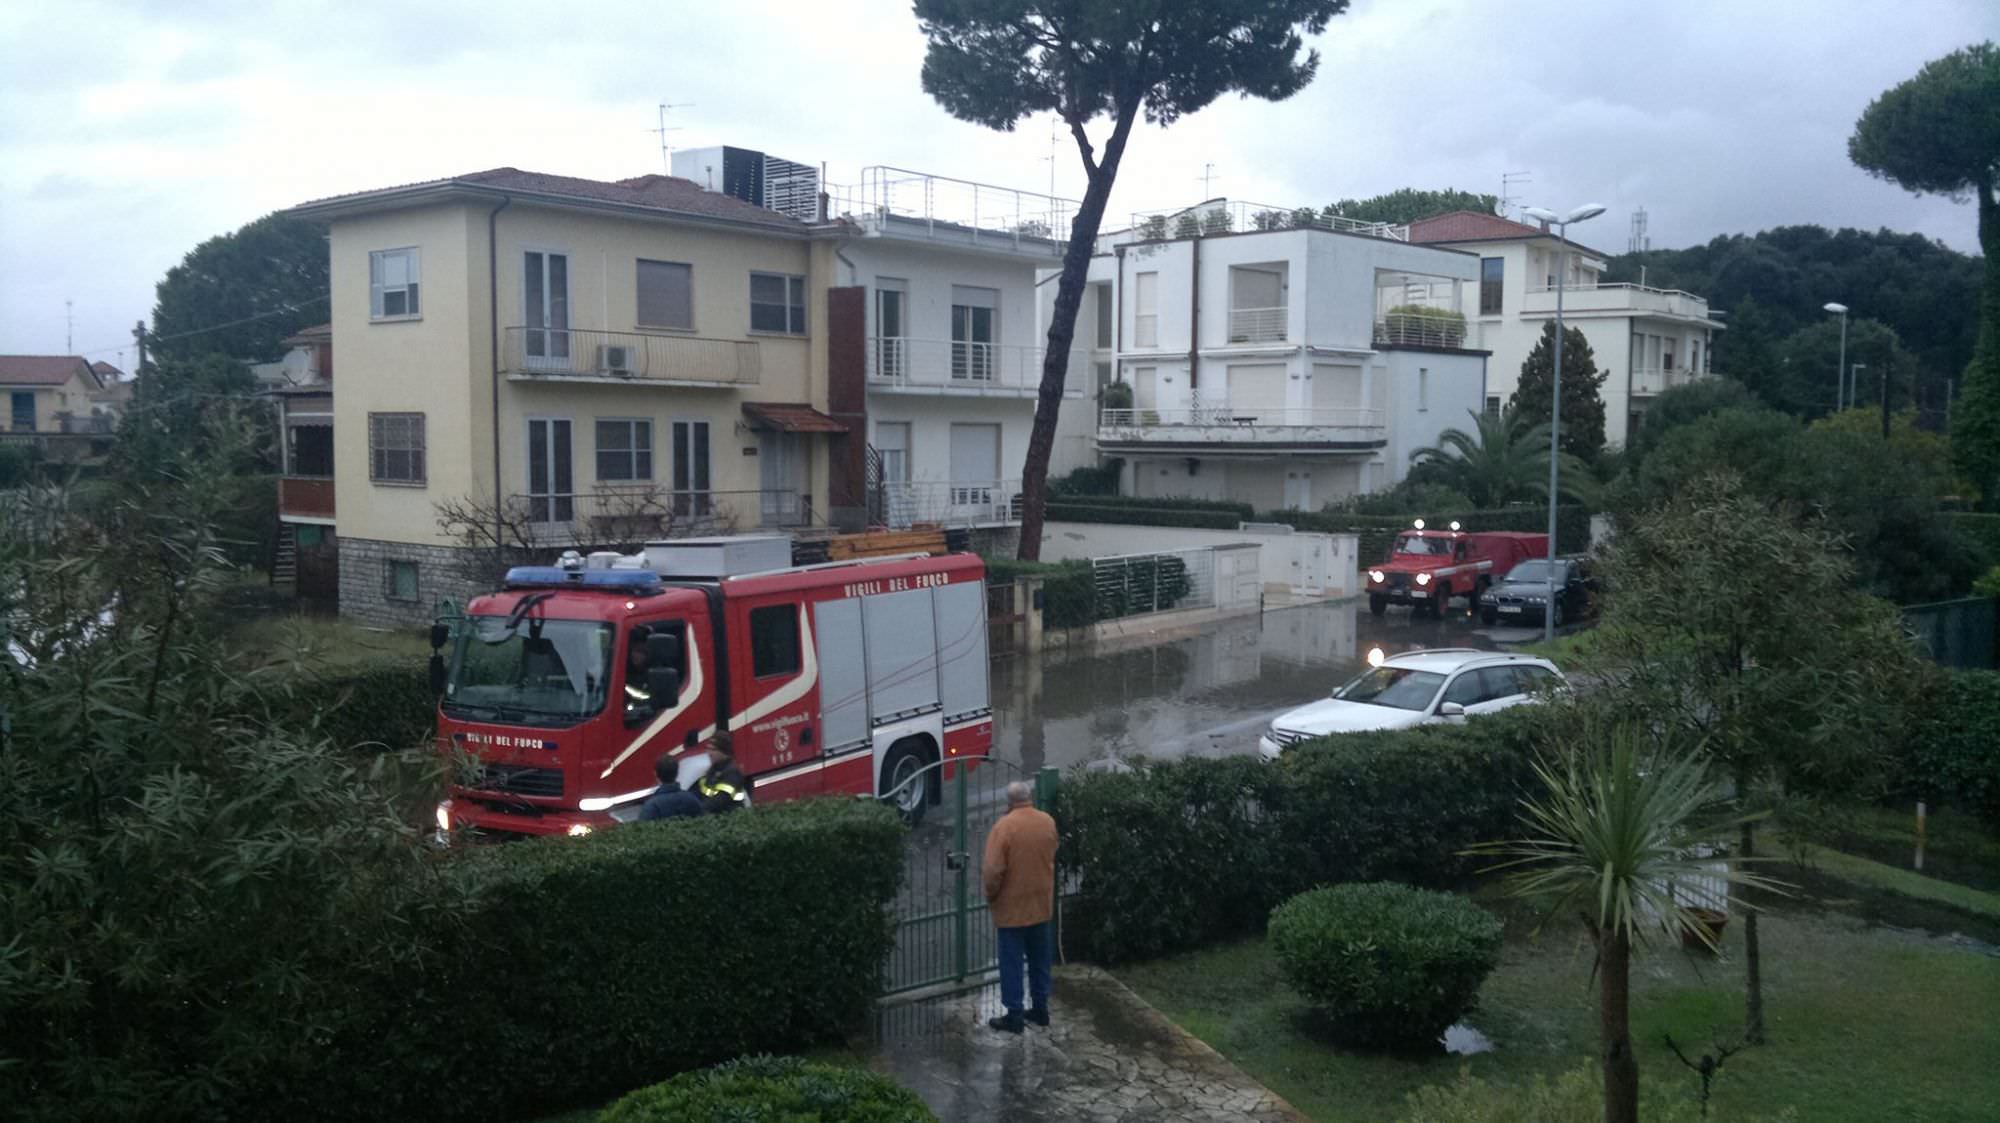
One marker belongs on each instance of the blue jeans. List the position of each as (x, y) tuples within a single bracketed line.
[(670, 805), (1027, 945)]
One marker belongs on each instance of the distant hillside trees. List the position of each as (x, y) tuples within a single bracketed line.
[(1408, 204)]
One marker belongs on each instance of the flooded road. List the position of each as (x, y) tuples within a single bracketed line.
[(1209, 694)]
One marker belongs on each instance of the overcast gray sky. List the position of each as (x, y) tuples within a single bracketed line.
[(131, 131)]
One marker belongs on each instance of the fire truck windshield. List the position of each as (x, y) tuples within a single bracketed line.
[(1416, 544), (537, 672)]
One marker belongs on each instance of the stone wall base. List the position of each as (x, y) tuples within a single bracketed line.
[(367, 592)]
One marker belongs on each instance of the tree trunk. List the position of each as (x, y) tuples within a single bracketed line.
[(1621, 1067), (1753, 957), (1062, 331), (1976, 420)]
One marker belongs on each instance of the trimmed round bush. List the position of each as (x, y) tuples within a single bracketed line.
[(1388, 964), (777, 1089)]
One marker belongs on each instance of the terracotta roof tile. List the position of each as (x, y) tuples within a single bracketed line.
[(664, 193), (42, 370), (1476, 226), (791, 417)]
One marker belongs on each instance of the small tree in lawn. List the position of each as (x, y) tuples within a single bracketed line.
[(995, 62), (1939, 133), (1737, 625), (1583, 408)]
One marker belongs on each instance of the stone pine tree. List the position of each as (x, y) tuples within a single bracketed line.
[(1583, 408), (240, 294), (996, 62), (1939, 133)]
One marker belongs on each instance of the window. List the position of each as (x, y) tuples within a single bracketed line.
[(666, 295), (892, 444), (545, 302), (396, 448), (1466, 689), (1492, 271), (1146, 310), (400, 580), (777, 303), (892, 357), (1104, 315), (21, 404), (690, 468), (309, 451), (774, 640), (974, 326), (1493, 405), (308, 535), (975, 462), (1423, 389), (624, 449), (551, 491), (392, 284), (1694, 356), (1667, 357)]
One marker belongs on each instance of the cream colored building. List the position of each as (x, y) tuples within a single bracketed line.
[(594, 360), (48, 403)]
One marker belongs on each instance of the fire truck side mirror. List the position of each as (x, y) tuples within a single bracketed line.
[(663, 649), (440, 635), (437, 674), (664, 684)]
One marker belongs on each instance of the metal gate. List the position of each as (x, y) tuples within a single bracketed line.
[(944, 937)]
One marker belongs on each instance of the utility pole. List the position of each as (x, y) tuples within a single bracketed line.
[(69, 327)]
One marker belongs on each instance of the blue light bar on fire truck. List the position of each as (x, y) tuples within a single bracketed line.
[(632, 582)]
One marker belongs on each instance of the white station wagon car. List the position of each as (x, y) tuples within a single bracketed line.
[(1417, 688)]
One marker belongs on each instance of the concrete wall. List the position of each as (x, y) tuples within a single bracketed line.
[(1066, 541)]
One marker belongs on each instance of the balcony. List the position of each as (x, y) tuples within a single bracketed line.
[(1648, 381), (955, 368), (624, 517), (897, 202), (1257, 325), (628, 358), (1219, 428), (305, 497), (905, 503), (1617, 299), (1420, 329)]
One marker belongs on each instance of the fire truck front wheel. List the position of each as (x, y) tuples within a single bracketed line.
[(902, 783)]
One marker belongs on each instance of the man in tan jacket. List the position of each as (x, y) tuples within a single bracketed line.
[(1020, 883)]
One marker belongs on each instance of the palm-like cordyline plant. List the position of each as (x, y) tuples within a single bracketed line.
[(1613, 832), (1502, 460)]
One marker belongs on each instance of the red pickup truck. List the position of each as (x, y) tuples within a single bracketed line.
[(1426, 568)]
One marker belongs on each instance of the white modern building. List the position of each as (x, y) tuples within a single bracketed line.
[(1644, 339), (1282, 365), (954, 350)]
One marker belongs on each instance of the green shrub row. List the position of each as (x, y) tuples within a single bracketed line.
[(1981, 528), (1954, 752), (376, 706), (759, 1088), (599, 964), (1179, 854), (1383, 963), (1097, 480)]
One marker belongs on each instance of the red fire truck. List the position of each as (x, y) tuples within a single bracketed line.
[(1426, 568), (566, 687)]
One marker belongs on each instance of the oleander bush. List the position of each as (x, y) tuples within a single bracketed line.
[(772, 1090), (1387, 965)]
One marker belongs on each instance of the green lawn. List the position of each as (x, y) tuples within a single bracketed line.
[(1866, 1023), (328, 642)]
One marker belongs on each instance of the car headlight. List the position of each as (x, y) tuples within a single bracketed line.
[(1423, 578), (578, 830), (1535, 598), (1377, 575), (444, 817)]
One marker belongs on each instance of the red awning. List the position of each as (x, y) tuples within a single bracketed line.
[(788, 417)]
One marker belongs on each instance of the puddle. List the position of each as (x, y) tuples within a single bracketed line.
[(1462, 1040)]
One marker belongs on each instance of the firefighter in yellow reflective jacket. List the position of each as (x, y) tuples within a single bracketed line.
[(722, 788)]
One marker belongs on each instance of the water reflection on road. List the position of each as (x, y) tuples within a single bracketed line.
[(1209, 694)]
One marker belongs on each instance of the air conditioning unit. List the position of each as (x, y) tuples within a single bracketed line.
[(614, 359)]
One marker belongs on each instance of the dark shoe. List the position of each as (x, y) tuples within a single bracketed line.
[(1039, 1015), (1009, 1022)]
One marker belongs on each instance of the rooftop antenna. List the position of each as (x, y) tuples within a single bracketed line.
[(69, 329), (1638, 241), (1509, 181), (663, 129), (1207, 178)]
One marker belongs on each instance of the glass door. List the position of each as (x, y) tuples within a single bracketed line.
[(545, 308), (551, 492), (891, 328)]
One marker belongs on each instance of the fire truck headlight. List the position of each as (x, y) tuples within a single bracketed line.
[(1377, 575), (1423, 578), (578, 830), (444, 817)]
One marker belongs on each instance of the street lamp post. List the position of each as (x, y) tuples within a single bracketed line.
[(1854, 384), (1840, 372), (1549, 218)]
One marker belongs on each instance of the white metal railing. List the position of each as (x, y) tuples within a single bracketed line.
[(1625, 286), (950, 502), (961, 365), (942, 204), (1224, 216), (1658, 380), (629, 356), (1410, 329), (633, 514), (1228, 417), (1137, 584), (1256, 325)]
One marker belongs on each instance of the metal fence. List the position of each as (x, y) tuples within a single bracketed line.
[(1136, 584), (1956, 633)]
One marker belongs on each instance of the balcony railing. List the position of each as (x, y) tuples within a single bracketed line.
[(1224, 216), (1256, 325), (1404, 329), (1657, 380), (575, 354), (936, 206), (1223, 424), (632, 515), (963, 367), (1617, 297), (908, 503), (305, 497)]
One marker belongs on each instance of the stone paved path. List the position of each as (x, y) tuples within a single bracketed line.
[(1108, 1058)]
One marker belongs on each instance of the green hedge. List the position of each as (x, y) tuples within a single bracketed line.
[(375, 706), (1981, 528), (600, 964), (1378, 531), (1385, 964), (772, 1088), (1098, 481), (1954, 753), (1179, 854)]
